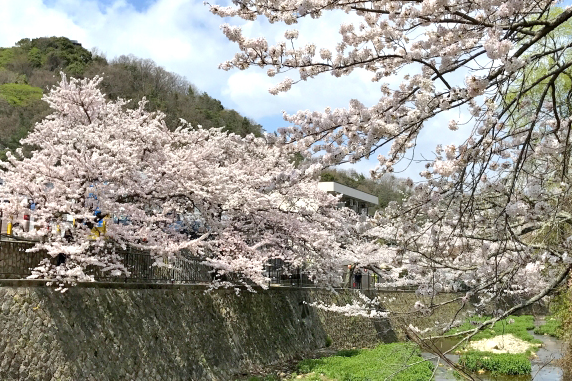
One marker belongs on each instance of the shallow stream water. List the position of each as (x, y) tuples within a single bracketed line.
[(543, 366)]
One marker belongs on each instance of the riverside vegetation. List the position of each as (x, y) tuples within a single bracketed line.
[(402, 362), (558, 324), (387, 360), (375, 364), (501, 363)]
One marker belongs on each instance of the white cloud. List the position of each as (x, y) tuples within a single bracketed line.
[(184, 37), (33, 19), (249, 90)]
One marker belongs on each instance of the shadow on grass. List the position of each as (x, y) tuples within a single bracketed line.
[(348, 353)]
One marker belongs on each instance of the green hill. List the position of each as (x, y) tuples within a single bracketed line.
[(31, 66)]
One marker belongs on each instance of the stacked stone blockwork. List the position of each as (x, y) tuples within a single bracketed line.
[(169, 333)]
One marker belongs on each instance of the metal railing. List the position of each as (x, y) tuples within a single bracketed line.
[(143, 268), (17, 263), (366, 281), (281, 273)]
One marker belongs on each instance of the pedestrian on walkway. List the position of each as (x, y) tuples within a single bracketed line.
[(357, 278)]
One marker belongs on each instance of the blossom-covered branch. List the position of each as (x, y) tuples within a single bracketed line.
[(492, 214), (234, 202)]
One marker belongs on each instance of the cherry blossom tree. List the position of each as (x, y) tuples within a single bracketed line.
[(234, 202), (491, 216)]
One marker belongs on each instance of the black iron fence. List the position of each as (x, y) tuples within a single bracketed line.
[(143, 268), (362, 280), (281, 273), (17, 263)]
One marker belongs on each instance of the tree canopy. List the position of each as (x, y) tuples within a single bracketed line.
[(234, 202), (492, 215)]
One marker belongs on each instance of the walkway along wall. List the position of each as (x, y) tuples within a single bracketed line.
[(171, 333)]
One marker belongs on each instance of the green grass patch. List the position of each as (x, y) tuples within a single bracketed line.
[(559, 321), (498, 363), (20, 94), (552, 327), (516, 325), (372, 364)]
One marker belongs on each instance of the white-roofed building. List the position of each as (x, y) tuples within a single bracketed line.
[(360, 202)]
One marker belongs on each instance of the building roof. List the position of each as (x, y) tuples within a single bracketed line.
[(330, 186)]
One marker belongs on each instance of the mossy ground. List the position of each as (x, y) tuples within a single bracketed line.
[(516, 325), (386, 359), (374, 364), (498, 363), (270, 377), (552, 327)]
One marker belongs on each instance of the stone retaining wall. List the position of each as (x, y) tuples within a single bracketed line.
[(176, 333)]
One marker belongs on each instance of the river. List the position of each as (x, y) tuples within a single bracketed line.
[(543, 366)]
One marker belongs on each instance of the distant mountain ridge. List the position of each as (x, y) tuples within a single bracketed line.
[(33, 65)]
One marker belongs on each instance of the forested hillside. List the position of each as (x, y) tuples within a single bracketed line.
[(31, 66)]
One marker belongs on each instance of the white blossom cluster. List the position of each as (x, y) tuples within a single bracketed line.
[(493, 214), (365, 308), (439, 37), (233, 202)]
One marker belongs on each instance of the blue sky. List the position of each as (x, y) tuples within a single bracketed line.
[(184, 37), (139, 5)]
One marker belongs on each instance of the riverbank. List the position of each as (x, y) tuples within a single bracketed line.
[(369, 364), (401, 362)]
